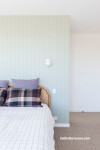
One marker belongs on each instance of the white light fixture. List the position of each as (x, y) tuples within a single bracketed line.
[(48, 62)]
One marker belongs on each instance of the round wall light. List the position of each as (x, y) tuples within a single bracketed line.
[(48, 62)]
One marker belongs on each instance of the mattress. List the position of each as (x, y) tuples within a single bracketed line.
[(26, 128)]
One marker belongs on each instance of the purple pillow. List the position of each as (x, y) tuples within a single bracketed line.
[(25, 84), (4, 83)]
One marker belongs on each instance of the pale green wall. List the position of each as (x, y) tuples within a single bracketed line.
[(25, 42)]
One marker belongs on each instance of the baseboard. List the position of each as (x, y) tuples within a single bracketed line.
[(62, 125), (85, 110)]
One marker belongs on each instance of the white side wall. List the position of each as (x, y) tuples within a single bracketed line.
[(85, 72)]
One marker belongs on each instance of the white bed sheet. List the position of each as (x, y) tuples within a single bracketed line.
[(26, 128)]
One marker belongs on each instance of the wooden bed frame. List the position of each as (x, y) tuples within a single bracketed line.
[(45, 95)]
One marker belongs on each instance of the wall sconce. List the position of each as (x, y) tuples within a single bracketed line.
[(48, 62)]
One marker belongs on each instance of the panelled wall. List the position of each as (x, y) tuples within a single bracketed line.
[(25, 43)]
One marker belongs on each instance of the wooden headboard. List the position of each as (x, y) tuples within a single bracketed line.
[(45, 95)]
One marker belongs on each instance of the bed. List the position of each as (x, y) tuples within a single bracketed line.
[(27, 128)]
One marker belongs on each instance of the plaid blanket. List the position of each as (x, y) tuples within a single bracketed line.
[(23, 97), (3, 95)]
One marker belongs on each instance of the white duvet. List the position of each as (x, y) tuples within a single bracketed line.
[(26, 128)]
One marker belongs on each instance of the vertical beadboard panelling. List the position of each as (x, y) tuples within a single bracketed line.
[(25, 43)]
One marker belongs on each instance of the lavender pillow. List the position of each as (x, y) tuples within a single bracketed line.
[(4, 83), (26, 84)]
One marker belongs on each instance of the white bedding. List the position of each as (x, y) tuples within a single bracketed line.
[(26, 128)]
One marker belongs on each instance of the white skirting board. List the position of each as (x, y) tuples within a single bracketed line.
[(62, 125), (85, 110)]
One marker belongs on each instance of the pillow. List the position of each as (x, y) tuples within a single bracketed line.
[(25, 84), (3, 96), (23, 97), (4, 83)]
